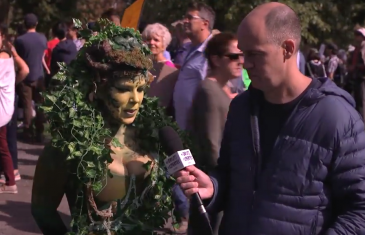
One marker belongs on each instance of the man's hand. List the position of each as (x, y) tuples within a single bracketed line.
[(192, 180)]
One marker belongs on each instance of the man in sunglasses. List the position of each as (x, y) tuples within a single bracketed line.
[(292, 158), (210, 108)]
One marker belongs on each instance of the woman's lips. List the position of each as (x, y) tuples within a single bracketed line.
[(130, 112)]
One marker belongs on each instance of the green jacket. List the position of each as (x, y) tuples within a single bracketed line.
[(245, 78)]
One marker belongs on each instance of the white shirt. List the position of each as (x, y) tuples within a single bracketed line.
[(7, 90)]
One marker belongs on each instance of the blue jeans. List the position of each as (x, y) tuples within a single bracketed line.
[(181, 202)]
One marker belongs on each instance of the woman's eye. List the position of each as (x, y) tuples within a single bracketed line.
[(121, 89), (141, 89)]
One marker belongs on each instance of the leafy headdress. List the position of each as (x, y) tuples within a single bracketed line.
[(79, 130)]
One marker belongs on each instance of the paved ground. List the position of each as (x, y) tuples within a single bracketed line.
[(15, 216)]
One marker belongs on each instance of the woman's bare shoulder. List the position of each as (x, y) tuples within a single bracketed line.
[(4, 55)]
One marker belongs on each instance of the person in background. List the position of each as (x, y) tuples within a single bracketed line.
[(356, 70), (158, 38), (167, 55), (332, 62), (64, 52), (198, 24), (7, 98), (314, 67), (31, 47), (210, 106), (183, 43), (234, 86), (301, 62), (50, 45), (342, 70), (72, 34), (22, 71), (112, 15)]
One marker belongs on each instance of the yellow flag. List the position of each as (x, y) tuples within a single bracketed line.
[(132, 14)]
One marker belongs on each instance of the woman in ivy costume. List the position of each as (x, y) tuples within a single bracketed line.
[(105, 154)]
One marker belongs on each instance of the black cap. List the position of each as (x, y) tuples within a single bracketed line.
[(30, 19)]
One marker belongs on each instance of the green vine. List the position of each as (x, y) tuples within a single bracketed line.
[(79, 130)]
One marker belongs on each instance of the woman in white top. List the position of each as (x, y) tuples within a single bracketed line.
[(7, 97), (7, 88)]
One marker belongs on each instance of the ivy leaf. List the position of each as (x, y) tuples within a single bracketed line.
[(77, 153), (116, 143), (154, 133), (90, 164), (72, 113), (70, 157), (51, 98), (97, 187), (91, 173), (76, 123), (71, 147), (77, 23), (147, 166)]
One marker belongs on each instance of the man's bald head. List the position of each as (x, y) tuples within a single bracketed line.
[(282, 23), (269, 37)]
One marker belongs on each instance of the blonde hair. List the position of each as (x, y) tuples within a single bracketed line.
[(159, 30)]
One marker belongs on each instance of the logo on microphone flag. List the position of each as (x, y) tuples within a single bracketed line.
[(179, 160)]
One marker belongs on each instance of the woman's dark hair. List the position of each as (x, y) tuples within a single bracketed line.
[(313, 55), (218, 46), (60, 30), (4, 29), (333, 47), (70, 24), (5, 45)]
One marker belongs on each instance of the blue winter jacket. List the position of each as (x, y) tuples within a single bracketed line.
[(314, 180)]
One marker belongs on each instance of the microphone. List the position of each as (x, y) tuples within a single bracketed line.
[(178, 159)]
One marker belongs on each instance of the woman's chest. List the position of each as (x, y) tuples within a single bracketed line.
[(127, 161)]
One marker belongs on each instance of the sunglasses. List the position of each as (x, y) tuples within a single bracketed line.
[(234, 56)]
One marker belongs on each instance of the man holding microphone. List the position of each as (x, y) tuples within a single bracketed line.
[(292, 158)]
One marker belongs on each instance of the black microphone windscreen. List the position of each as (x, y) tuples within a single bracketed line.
[(170, 140)]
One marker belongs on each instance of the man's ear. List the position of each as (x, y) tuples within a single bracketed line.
[(215, 60), (288, 48)]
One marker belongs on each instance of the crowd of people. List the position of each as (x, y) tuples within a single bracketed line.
[(198, 71)]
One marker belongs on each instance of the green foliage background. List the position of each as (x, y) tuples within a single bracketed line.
[(321, 19)]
